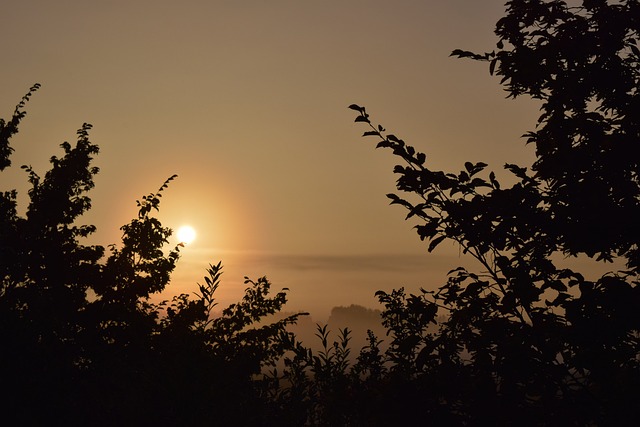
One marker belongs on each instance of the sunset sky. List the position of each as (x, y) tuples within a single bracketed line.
[(247, 102)]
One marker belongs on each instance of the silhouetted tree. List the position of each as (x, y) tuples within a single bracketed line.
[(82, 343), (524, 341)]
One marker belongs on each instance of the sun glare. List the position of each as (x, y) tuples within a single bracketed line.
[(186, 234)]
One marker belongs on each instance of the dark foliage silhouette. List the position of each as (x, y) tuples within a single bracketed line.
[(81, 342), (521, 341), (524, 340)]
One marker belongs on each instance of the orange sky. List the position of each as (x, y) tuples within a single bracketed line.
[(247, 102)]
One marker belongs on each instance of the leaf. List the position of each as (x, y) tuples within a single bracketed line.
[(455, 270), (479, 182), (416, 210), (468, 166), (356, 107), (427, 230), (435, 242), (362, 119), (473, 288), (466, 54), (518, 171), (494, 182), (462, 53)]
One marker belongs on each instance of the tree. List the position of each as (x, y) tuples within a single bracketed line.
[(523, 338), (44, 272), (82, 342)]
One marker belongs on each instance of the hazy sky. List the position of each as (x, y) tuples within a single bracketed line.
[(247, 102)]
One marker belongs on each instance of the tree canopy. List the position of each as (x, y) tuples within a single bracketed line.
[(81, 340), (540, 342)]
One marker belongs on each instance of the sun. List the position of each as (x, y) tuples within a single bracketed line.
[(186, 234)]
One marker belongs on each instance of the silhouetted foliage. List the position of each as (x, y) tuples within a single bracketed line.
[(526, 341), (83, 344), (520, 342)]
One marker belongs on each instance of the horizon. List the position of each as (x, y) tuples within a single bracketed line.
[(247, 104)]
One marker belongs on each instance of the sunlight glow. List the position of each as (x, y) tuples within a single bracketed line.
[(186, 234)]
